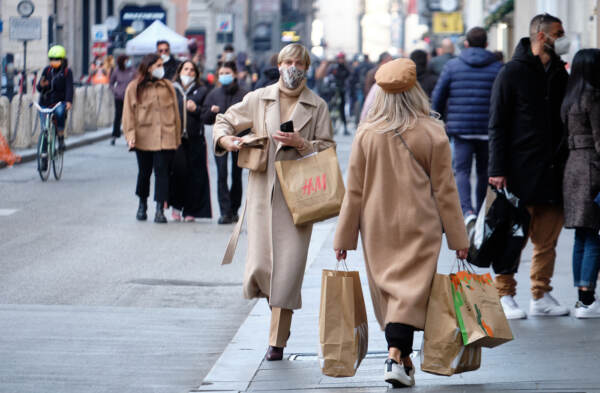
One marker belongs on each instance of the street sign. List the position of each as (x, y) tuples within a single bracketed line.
[(99, 33), (99, 49), (25, 29), (448, 23), (224, 23)]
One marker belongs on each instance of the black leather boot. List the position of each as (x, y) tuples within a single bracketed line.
[(159, 217), (141, 213)]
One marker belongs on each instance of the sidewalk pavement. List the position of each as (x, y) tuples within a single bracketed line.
[(72, 141), (547, 354)]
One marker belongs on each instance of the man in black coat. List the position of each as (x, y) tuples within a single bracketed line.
[(527, 153), (170, 64)]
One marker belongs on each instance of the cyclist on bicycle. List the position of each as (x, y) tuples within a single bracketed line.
[(56, 85)]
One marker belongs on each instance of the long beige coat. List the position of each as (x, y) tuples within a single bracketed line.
[(389, 200), (277, 249), (153, 120)]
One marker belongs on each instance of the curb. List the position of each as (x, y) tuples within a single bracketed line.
[(72, 142)]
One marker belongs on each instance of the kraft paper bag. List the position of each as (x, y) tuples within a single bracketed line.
[(442, 349), (343, 327), (312, 186), (254, 153), (478, 310)]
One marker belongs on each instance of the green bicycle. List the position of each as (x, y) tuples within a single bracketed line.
[(47, 147)]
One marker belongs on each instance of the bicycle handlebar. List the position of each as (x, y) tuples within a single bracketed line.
[(46, 110)]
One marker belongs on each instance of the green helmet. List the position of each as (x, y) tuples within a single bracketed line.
[(57, 52)]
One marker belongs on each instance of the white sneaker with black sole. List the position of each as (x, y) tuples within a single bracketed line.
[(592, 311), (547, 306), (397, 375), (511, 308)]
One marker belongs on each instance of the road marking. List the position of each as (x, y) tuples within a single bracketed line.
[(7, 212)]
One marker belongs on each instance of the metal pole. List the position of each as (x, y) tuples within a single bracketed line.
[(24, 66)]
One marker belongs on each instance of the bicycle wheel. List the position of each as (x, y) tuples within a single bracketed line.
[(43, 150), (57, 156)]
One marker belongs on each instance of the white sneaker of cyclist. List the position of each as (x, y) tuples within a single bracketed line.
[(591, 311), (547, 306), (511, 308), (398, 375)]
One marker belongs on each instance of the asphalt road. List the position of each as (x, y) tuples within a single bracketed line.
[(92, 300)]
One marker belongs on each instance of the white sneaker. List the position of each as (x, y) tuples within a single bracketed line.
[(591, 311), (511, 308), (547, 306), (399, 376)]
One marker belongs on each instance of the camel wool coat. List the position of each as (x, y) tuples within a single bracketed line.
[(277, 249), (152, 122), (400, 207)]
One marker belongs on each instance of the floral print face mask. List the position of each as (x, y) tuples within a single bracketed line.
[(292, 77)]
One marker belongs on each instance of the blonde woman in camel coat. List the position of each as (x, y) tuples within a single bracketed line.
[(277, 249), (401, 195)]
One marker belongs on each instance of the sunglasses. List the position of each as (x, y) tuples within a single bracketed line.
[(54, 59), (163, 51)]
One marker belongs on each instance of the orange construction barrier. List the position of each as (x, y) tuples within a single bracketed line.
[(5, 154)]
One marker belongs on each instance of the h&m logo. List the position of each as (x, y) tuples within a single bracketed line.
[(320, 183)]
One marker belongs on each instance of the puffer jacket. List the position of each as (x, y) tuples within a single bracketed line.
[(462, 94)]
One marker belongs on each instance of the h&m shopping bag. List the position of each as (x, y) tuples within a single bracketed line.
[(312, 186), (442, 349), (343, 327), (478, 310)]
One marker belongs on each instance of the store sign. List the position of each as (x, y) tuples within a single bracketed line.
[(146, 14), (25, 29), (448, 23)]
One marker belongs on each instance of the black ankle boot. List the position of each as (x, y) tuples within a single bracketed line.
[(141, 213), (159, 217)]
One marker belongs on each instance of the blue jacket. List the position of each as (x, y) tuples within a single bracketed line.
[(465, 86)]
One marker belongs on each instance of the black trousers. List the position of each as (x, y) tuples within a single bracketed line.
[(118, 117), (160, 161), (399, 335), (230, 198)]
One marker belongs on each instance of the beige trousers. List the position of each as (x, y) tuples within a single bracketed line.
[(281, 321), (545, 226)]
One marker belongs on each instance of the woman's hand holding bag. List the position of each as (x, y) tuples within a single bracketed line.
[(230, 142)]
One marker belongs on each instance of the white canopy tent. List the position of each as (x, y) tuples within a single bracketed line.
[(145, 42)]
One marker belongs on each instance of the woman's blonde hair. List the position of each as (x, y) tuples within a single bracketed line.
[(397, 112), (294, 51)]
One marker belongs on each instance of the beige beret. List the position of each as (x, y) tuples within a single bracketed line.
[(397, 75)]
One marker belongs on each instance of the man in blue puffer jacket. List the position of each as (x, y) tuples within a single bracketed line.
[(462, 96)]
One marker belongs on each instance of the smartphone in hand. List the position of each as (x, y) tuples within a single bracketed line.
[(288, 126)]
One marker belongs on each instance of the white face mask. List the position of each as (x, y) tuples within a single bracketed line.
[(165, 57), (561, 45), (128, 63), (158, 73), (186, 79)]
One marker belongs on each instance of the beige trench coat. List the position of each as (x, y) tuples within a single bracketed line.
[(152, 122), (277, 249), (400, 215)]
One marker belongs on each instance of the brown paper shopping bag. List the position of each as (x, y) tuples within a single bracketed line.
[(442, 350), (312, 186), (343, 327), (478, 310)]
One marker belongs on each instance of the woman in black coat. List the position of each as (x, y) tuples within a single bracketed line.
[(581, 113), (190, 187)]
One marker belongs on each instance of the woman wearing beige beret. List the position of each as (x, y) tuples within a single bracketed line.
[(277, 249), (401, 195)]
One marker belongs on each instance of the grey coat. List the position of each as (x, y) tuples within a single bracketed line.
[(582, 174)]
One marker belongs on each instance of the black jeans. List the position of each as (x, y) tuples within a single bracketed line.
[(118, 117), (399, 335), (160, 161), (230, 199)]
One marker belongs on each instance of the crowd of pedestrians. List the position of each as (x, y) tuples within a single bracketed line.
[(532, 129)]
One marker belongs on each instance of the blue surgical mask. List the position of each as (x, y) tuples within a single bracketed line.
[(225, 79)]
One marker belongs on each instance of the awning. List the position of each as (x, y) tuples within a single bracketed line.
[(498, 12)]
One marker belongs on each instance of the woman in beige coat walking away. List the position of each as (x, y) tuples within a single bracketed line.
[(401, 194), (277, 249)]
